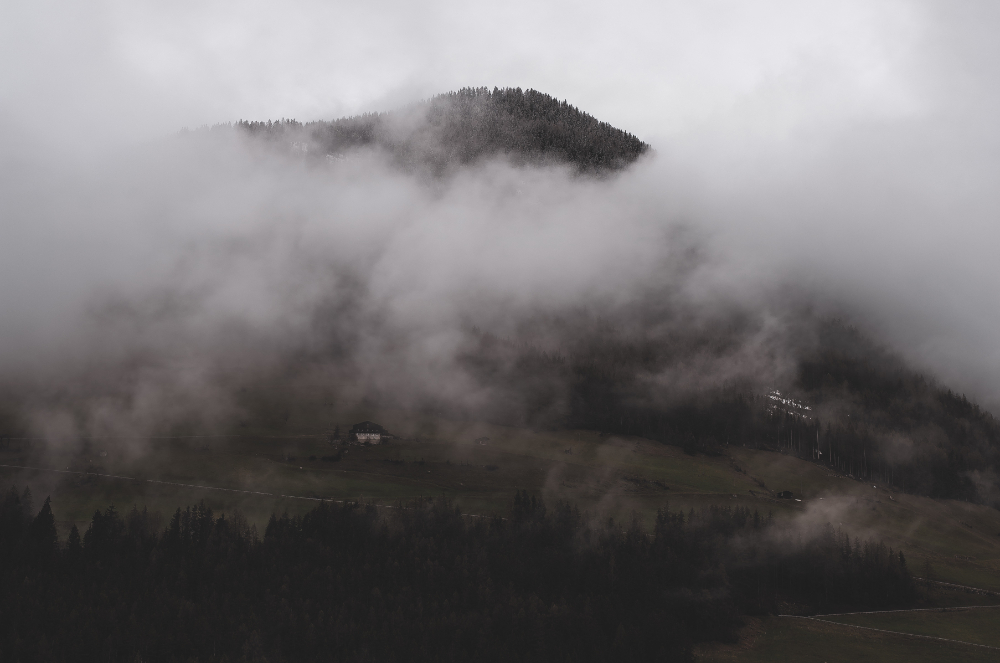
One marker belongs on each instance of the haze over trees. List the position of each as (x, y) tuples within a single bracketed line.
[(871, 416)]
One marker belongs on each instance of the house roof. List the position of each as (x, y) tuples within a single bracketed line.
[(367, 427)]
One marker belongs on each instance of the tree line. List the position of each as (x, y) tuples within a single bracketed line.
[(354, 582)]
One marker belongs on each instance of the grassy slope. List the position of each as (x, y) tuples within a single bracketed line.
[(605, 476), (781, 639), (960, 540)]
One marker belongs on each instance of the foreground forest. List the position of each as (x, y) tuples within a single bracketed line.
[(418, 582)]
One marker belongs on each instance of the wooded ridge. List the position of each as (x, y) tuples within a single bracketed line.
[(463, 127)]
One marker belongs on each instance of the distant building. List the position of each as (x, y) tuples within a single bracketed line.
[(368, 431)]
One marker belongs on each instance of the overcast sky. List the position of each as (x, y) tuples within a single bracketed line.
[(848, 145), (660, 69)]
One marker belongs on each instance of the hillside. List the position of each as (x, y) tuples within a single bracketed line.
[(464, 127), (869, 415)]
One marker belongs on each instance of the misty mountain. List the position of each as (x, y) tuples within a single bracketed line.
[(520, 295), (463, 127)]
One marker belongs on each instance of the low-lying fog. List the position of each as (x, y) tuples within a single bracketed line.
[(144, 273)]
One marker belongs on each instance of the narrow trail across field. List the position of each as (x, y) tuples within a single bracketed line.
[(880, 630)]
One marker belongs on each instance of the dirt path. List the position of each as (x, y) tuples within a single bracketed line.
[(880, 630)]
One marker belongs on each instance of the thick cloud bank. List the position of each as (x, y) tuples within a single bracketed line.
[(839, 158), (146, 288), (154, 284)]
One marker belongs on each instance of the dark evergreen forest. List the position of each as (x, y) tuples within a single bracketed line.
[(460, 128), (354, 582)]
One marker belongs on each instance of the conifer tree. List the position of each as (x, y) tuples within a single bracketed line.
[(42, 536)]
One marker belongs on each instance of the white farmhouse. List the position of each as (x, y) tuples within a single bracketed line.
[(369, 432)]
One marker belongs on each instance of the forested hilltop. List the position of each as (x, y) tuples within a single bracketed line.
[(460, 128)]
